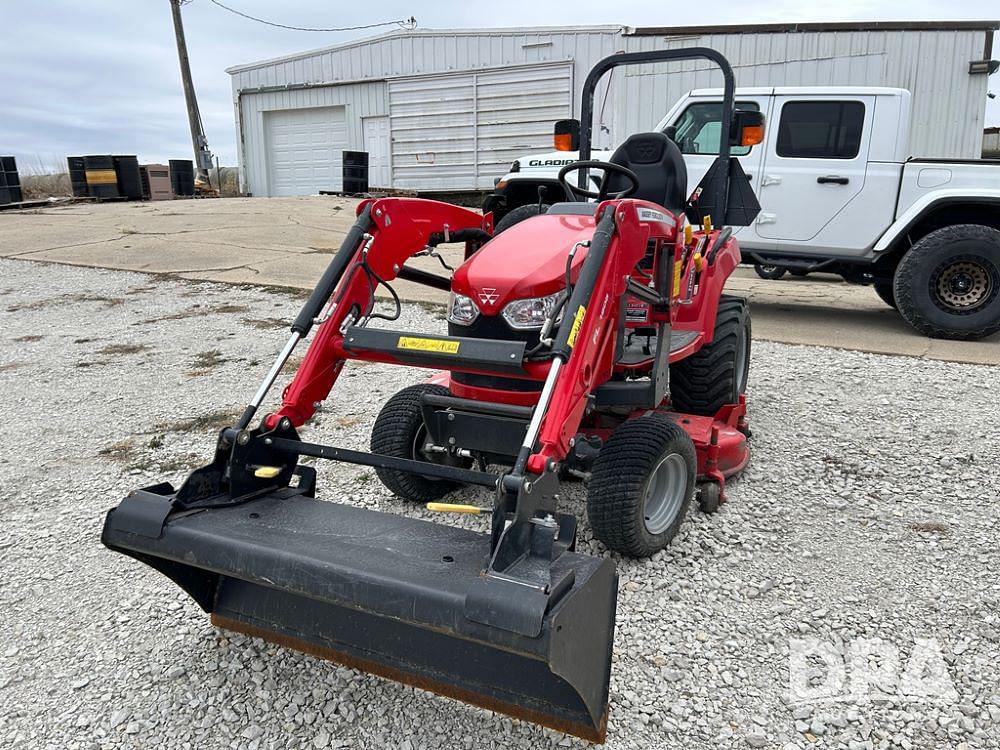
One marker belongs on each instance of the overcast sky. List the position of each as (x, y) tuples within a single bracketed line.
[(101, 76)]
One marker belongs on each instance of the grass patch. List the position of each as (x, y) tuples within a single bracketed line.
[(117, 349), (28, 339), (213, 420), (930, 527), (122, 451), (265, 324), (205, 362), (197, 310), (8, 366), (185, 462), (41, 304)]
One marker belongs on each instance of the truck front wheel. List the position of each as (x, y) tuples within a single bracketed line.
[(947, 285)]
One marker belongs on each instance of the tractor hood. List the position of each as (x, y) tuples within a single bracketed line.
[(526, 260)]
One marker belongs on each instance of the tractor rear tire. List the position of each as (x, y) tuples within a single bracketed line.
[(884, 292), (947, 285), (519, 214), (717, 373), (399, 432), (641, 485)]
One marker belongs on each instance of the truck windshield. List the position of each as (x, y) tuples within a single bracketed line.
[(698, 128)]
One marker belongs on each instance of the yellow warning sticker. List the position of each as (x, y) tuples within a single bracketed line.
[(440, 346), (676, 288), (577, 322)]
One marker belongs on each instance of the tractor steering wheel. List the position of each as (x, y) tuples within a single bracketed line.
[(607, 168)]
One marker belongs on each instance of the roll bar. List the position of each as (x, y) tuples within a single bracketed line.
[(652, 56)]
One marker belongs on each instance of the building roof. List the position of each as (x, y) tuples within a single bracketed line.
[(763, 28), (779, 28), (405, 33)]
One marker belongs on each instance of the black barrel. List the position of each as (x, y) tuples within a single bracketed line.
[(129, 178), (182, 177), (10, 182), (77, 176), (355, 172), (102, 182)]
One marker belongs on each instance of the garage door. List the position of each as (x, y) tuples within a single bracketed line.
[(462, 130), (304, 150)]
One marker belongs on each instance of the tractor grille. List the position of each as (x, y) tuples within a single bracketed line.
[(495, 327)]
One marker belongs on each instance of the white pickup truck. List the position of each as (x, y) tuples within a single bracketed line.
[(840, 193)]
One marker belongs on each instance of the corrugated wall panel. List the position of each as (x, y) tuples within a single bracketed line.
[(948, 103)]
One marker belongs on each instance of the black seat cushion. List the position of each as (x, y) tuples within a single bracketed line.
[(658, 164)]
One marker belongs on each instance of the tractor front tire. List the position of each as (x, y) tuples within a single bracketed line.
[(947, 285), (641, 485), (717, 373), (519, 214), (399, 432)]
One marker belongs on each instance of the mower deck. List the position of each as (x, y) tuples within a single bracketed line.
[(386, 594)]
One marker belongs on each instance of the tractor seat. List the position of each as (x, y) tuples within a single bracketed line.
[(659, 165)]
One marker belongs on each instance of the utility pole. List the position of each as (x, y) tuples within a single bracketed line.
[(202, 156)]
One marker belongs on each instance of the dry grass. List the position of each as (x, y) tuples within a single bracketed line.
[(116, 349), (122, 451), (930, 527), (196, 310), (213, 420), (205, 362), (9, 366), (266, 323), (42, 186), (28, 339)]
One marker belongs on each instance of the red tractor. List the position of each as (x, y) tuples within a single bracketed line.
[(592, 340)]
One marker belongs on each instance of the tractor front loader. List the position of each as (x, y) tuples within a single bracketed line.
[(575, 345)]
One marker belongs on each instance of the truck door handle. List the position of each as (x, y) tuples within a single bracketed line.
[(835, 179), (766, 218), (770, 179)]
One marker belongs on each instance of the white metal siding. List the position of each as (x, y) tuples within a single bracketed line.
[(461, 130), (948, 103), (358, 100), (304, 150), (947, 113)]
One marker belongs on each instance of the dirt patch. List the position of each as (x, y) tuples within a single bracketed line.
[(117, 349), (930, 527), (8, 366), (213, 420), (205, 362), (348, 421), (41, 304), (195, 310), (123, 451), (439, 311), (266, 323), (28, 339)]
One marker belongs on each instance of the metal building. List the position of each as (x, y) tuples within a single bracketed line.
[(450, 109)]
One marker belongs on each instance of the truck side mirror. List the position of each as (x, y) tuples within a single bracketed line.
[(671, 132), (567, 135), (747, 129)]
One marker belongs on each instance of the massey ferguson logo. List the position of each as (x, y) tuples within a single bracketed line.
[(488, 296)]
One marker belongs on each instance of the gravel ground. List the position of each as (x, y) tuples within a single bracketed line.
[(869, 510)]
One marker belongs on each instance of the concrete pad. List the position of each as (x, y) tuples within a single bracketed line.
[(288, 242)]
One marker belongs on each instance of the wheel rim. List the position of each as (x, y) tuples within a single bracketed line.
[(664, 493), (963, 285)]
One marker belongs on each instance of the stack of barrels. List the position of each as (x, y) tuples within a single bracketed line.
[(10, 182), (355, 172), (182, 177)]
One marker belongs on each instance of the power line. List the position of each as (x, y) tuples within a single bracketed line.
[(404, 23)]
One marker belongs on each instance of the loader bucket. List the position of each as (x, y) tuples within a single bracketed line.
[(383, 594)]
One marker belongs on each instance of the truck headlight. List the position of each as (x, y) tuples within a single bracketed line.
[(462, 310), (529, 314)]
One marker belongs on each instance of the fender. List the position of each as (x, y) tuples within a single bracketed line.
[(929, 202)]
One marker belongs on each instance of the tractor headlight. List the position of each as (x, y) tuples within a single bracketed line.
[(529, 314), (462, 310)]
